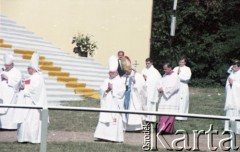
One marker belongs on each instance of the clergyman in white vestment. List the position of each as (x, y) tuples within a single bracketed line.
[(33, 93), (184, 73), (9, 85), (232, 103), (110, 125), (134, 83), (152, 77), (169, 100)]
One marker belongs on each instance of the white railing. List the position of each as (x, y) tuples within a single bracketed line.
[(45, 109)]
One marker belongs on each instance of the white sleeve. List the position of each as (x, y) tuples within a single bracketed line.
[(14, 81), (171, 87), (185, 75)]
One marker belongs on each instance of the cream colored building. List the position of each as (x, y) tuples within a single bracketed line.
[(115, 24)]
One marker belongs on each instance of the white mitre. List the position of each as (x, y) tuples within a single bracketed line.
[(34, 63), (113, 63), (8, 59)]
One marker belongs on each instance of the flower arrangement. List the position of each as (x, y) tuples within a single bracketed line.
[(84, 45)]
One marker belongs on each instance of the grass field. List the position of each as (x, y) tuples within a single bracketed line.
[(202, 101), (208, 101)]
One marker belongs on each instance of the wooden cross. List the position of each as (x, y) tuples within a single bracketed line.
[(135, 64)]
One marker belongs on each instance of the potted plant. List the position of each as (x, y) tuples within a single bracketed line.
[(84, 45)]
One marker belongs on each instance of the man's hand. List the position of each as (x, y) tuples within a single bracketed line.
[(145, 77), (160, 90), (4, 77), (230, 81), (109, 87), (22, 86), (178, 71), (134, 81)]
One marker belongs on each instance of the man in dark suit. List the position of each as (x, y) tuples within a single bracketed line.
[(120, 70)]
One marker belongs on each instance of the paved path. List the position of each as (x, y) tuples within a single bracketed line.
[(130, 138)]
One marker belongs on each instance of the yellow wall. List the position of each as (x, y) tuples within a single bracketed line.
[(115, 24)]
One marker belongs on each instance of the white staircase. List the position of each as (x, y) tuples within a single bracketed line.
[(86, 70)]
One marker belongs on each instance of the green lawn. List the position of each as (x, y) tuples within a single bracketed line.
[(75, 120), (202, 101), (208, 101)]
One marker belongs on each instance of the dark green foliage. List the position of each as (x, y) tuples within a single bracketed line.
[(207, 35)]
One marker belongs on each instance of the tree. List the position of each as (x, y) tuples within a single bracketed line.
[(207, 34)]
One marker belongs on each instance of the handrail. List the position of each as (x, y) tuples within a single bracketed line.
[(120, 111), (45, 109)]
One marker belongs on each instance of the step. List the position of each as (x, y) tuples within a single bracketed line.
[(5, 50), (90, 79), (67, 66), (34, 47), (13, 29), (26, 35), (40, 49), (79, 64), (18, 37), (91, 74), (8, 37), (71, 58), (60, 93), (57, 88), (74, 72), (55, 83), (79, 78), (5, 45), (63, 56), (76, 97), (59, 55), (11, 24), (89, 84), (29, 43), (4, 19), (59, 101), (19, 57)]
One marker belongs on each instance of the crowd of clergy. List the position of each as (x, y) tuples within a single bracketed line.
[(124, 89), (17, 89)]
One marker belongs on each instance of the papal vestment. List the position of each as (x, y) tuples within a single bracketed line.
[(133, 100), (110, 125)]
